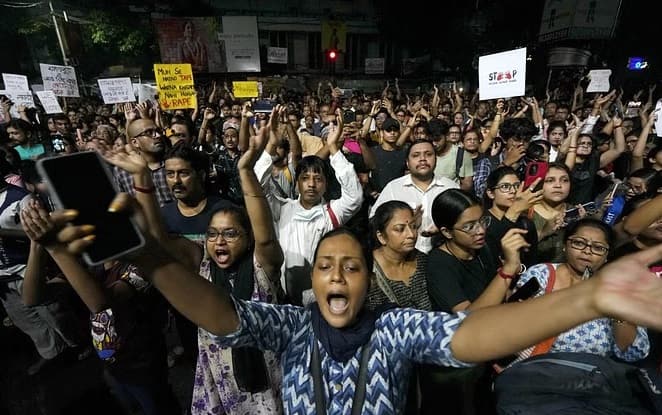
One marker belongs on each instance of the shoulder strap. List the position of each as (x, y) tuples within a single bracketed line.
[(459, 159), (380, 279), (332, 216), (546, 345), (361, 383)]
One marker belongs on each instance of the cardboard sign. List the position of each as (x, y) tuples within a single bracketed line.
[(19, 98), (245, 89), (502, 75), (599, 80), (277, 55), (60, 79), (49, 102), (15, 82), (175, 84), (116, 90)]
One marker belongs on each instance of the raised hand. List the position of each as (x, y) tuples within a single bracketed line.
[(256, 145), (209, 114), (38, 225), (514, 154), (128, 159), (334, 139), (526, 198), (511, 244)]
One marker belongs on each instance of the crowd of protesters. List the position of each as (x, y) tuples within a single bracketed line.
[(334, 238)]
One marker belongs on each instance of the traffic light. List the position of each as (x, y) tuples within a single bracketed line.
[(332, 54)]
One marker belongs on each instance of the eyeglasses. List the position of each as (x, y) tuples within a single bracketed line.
[(150, 132), (228, 235), (508, 187), (580, 244), (472, 227)]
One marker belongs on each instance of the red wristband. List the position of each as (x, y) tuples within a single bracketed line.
[(504, 275), (143, 189)]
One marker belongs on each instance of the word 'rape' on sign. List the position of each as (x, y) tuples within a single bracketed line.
[(175, 83)]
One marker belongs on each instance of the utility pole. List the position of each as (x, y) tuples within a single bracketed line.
[(59, 35)]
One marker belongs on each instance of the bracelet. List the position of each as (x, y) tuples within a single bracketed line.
[(144, 189), (572, 147), (618, 126), (504, 275), (617, 321)]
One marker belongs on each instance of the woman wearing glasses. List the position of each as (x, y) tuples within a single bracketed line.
[(241, 256), (587, 244), (464, 274)]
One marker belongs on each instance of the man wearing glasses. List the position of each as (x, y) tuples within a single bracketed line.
[(148, 140)]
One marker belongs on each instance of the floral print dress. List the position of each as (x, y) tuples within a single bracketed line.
[(215, 390)]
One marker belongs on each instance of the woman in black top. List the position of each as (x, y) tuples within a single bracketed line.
[(507, 203)]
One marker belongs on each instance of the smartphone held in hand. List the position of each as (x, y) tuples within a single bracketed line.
[(82, 181)]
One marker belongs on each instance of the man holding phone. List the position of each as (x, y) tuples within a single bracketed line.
[(148, 139)]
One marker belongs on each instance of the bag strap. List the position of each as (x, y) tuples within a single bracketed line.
[(546, 345), (361, 383), (332, 216), (459, 160)]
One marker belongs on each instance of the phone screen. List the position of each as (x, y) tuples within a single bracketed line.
[(81, 181), (263, 105), (528, 290)]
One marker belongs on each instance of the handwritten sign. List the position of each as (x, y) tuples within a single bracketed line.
[(49, 102), (245, 89), (59, 79), (116, 90), (277, 55), (15, 82), (599, 80), (175, 84), (18, 98)]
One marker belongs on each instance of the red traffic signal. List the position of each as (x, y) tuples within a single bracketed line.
[(332, 54)]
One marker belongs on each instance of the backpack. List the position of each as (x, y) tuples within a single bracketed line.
[(576, 383)]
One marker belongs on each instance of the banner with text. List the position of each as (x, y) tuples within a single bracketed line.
[(15, 82), (175, 84), (599, 80), (245, 89), (116, 90), (59, 79), (49, 102), (191, 40), (502, 75), (240, 42), (276, 55)]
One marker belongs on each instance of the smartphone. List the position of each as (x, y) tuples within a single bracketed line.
[(572, 215), (82, 181), (535, 170), (348, 116), (528, 290), (263, 105)]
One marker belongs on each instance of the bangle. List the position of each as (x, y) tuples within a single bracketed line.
[(617, 321), (572, 147), (504, 275), (618, 126), (144, 189)]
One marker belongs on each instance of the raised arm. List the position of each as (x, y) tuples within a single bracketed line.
[(643, 217), (208, 117), (619, 143), (499, 117), (267, 248), (244, 126), (638, 152)]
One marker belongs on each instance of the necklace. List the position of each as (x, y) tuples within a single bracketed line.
[(464, 261)]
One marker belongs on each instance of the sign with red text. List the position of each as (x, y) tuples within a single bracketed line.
[(175, 84), (502, 75)]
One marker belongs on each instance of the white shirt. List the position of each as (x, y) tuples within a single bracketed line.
[(299, 229), (404, 189)]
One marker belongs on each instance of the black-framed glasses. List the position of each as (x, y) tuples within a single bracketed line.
[(471, 228), (580, 244), (508, 187), (228, 235), (150, 132)]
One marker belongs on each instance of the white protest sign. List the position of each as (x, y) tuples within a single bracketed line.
[(658, 121), (502, 75), (15, 82), (59, 79), (19, 98), (49, 102), (37, 87), (147, 92), (599, 80), (116, 90), (277, 55)]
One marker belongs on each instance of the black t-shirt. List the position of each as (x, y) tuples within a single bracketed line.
[(452, 281), (583, 177), (390, 165), (193, 227)]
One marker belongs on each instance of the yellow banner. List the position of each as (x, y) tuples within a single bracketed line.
[(245, 89), (175, 83)]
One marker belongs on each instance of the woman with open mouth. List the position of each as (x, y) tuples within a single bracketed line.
[(339, 357)]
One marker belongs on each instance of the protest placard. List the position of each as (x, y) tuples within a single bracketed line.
[(116, 90), (599, 80), (245, 89), (18, 98), (49, 102), (277, 55), (175, 84), (15, 82), (502, 75), (59, 79)]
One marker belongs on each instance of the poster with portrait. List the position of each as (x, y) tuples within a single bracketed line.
[(334, 35), (191, 40)]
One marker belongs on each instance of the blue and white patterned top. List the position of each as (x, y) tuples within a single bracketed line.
[(401, 338), (595, 336)]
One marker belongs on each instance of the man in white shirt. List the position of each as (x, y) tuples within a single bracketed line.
[(418, 188), (301, 223)]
